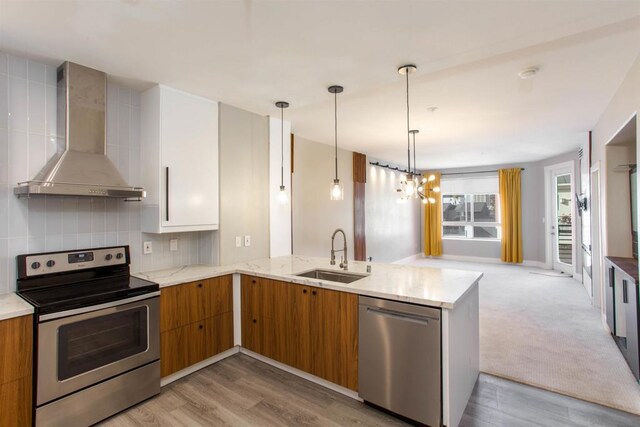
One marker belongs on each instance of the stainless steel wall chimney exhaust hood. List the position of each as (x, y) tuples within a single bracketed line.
[(82, 168)]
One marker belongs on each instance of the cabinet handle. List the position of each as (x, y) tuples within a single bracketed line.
[(254, 320), (199, 285), (612, 277), (200, 327), (625, 296), (166, 189), (253, 281), (313, 292), (304, 291)]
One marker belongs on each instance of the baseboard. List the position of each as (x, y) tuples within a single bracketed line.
[(193, 368), (487, 260), (324, 383), (408, 259)]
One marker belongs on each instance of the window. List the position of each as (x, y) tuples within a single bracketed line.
[(470, 207), (470, 216)]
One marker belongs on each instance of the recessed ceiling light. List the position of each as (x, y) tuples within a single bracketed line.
[(528, 73)]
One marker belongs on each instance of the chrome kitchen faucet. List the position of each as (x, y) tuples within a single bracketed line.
[(343, 258)]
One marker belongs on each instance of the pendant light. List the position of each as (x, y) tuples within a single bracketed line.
[(283, 197), (407, 183), (414, 172), (337, 191)]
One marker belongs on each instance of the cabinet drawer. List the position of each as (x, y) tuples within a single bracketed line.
[(16, 342), (181, 305), (187, 345)]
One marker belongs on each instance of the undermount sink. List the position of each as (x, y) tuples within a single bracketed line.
[(332, 275)]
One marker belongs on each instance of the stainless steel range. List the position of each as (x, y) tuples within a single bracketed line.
[(97, 340)]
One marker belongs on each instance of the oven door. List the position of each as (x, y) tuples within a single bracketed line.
[(82, 347)]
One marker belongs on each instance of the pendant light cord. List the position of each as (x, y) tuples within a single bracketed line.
[(335, 131), (282, 146), (408, 127)]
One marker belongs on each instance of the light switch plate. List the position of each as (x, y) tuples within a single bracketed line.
[(173, 245), (247, 240), (238, 241), (147, 248)]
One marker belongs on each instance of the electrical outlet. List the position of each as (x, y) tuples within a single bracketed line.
[(147, 248), (238, 241), (247, 240), (173, 245)]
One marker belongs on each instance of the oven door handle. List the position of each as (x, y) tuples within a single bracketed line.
[(73, 312)]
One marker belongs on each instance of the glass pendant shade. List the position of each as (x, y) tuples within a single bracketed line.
[(409, 187), (283, 197), (337, 190)]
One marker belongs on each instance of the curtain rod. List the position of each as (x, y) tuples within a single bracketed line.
[(395, 168), (468, 173)]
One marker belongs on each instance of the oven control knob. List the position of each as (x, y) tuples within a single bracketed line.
[(35, 265), (51, 263), (108, 257), (119, 255)]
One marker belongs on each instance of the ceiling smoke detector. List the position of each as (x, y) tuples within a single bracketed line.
[(528, 73)]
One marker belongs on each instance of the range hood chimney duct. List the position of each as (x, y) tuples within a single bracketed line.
[(82, 168)]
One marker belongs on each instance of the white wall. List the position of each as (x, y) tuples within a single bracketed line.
[(315, 216), (618, 207), (279, 213), (244, 185), (28, 138), (393, 230)]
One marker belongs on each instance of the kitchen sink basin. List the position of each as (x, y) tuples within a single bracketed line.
[(332, 275)]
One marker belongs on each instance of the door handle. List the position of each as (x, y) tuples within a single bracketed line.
[(625, 293), (399, 316)]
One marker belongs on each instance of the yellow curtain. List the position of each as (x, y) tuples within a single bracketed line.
[(433, 219), (511, 214)]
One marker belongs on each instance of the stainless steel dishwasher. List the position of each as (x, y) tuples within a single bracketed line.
[(400, 359)]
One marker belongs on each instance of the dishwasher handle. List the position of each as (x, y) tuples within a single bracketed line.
[(400, 316)]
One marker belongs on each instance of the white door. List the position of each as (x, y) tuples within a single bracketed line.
[(562, 225)]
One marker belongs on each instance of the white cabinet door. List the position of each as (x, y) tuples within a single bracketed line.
[(189, 161), (179, 161)]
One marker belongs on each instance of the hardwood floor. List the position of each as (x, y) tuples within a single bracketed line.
[(242, 391)]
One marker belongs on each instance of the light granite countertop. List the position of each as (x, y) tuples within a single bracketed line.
[(11, 305), (419, 285)]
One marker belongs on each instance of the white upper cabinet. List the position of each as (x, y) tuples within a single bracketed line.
[(179, 161)]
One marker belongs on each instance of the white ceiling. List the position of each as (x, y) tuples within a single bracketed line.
[(252, 53)]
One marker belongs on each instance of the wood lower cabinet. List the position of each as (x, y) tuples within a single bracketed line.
[(196, 322), (311, 329), (16, 358), (334, 335)]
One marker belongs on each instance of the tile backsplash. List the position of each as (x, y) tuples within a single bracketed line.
[(28, 138)]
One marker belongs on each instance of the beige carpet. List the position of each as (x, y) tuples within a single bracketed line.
[(542, 331)]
